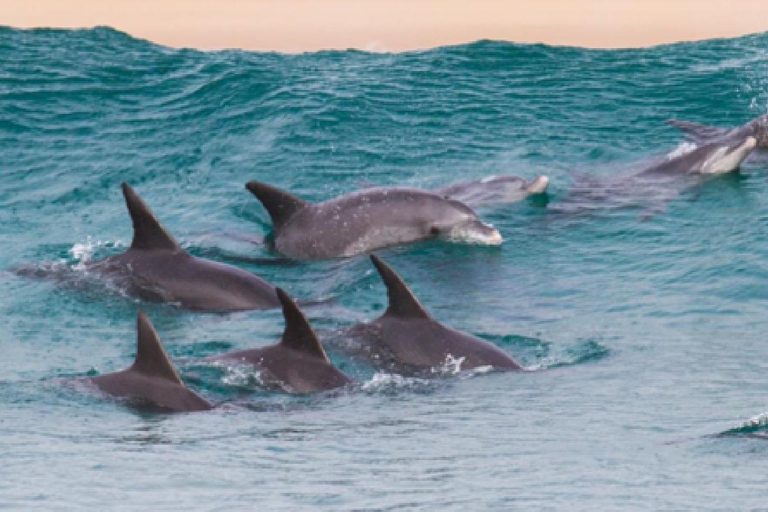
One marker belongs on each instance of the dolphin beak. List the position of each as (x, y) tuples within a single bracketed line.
[(495, 238), (539, 185), (749, 144)]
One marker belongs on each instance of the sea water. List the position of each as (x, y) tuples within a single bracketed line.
[(645, 336)]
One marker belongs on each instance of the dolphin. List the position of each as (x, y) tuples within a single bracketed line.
[(757, 128), (659, 183), (367, 220), (151, 380), (297, 363), (712, 158), (494, 190), (407, 339), (156, 268)]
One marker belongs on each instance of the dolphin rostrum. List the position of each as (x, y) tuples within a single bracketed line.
[(494, 190), (297, 363), (157, 268), (367, 220), (407, 339), (152, 380)]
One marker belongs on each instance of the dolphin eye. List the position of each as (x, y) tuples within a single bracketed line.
[(434, 231)]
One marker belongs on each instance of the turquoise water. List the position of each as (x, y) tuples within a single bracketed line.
[(645, 334)]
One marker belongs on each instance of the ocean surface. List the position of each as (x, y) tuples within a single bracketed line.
[(644, 330)]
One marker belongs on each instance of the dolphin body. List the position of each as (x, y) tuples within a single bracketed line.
[(152, 380), (712, 158), (298, 363), (408, 340), (156, 268), (367, 220), (757, 128), (494, 190), (660, 183)]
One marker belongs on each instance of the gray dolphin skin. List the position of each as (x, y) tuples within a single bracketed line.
[(156, 268), (367, 220), (658, 184), (407, 339), (717, 157), (152, 380), (757, 128), (296, 364), (494, 190)]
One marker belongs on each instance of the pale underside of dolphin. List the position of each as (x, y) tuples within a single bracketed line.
[(406, 339), (152, 381), (494, 190), (296, 364), (655, 186), (367, 220), (156, 268)]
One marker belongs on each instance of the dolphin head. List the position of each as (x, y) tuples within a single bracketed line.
[(728, 157), (474, 232), (461, 224), (538, 185), (760, 131)]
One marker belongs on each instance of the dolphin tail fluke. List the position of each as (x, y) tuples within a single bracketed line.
[(151, 358), (147, 231), (538, 185), (402, 302), (298, 334), (280, 205), (697, 132)]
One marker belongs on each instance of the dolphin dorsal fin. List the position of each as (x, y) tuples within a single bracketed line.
[(280, 205), (698, 132), (151, 358), (298, 334), (147, 231), (402, 302)]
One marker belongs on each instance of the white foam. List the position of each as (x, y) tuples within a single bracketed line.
[(381, 381), (82, 253)]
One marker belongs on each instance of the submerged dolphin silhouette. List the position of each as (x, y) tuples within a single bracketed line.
[(366, 220), (157, 268), (151, 380), (494, 190), (407, 339), (297, 363), (657, 184)]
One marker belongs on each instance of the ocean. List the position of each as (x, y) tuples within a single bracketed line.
[(643, 333)]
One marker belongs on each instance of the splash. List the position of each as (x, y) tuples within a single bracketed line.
[(82, 253), (757, 426), (383, 382)]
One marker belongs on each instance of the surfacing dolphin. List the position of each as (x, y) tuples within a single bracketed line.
[(367, 220), (757, 128), (156, 268), (660, 183), (152, 381), (296, 364), (494, 190), (406, 338)]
